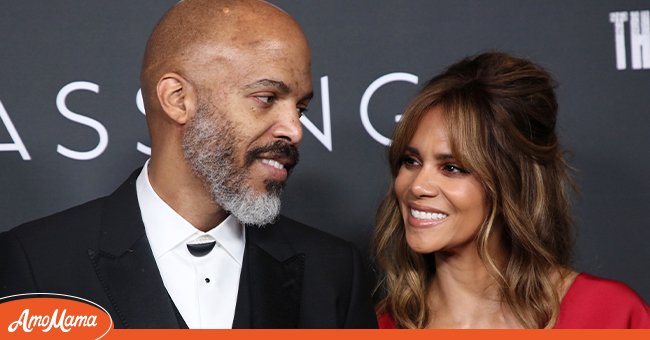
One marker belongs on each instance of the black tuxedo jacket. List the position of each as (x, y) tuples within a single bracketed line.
[(293, 276)]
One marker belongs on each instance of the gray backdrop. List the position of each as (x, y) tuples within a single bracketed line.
[(71, 123)]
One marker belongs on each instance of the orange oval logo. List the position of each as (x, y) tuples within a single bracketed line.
[(35, 315)]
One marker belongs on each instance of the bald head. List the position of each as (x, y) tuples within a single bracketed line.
[(196, 32), (224, 84)]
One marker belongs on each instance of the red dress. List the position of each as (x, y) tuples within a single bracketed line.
[(591, 302)]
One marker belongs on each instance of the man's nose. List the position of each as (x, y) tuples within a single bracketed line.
[(288, 126)]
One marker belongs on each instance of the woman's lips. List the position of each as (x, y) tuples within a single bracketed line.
[(419, 218)]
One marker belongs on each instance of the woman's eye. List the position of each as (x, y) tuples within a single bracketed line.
[(409, 161), (302, 110), (454, 169)]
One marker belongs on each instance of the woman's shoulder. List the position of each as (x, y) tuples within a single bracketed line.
[(598, 289), (385, 321), (594, 302), (586, 284)]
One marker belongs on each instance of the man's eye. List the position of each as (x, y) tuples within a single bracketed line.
[(266, 99)]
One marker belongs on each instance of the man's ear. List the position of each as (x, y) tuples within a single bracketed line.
[(177, 97)]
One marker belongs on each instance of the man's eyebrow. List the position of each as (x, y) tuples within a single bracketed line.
[(308, 97), (281, 86)]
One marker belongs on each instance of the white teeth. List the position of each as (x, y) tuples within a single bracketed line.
[(423, 215), (273, 163)]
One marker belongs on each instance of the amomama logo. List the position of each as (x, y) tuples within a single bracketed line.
[(31, 315)]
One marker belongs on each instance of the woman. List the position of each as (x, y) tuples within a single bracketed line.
[(476, 231)]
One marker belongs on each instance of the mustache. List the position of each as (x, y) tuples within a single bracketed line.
[(278, 149)]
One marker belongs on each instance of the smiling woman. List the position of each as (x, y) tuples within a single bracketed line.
[(443, 204), (476, 231)]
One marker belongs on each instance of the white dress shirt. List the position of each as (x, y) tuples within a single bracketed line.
[(204, 289)]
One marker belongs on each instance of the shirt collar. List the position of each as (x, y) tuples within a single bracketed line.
[(166, 229)]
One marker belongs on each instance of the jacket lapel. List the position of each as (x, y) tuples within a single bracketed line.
[(271, 282), (126, 267), (270, 285)]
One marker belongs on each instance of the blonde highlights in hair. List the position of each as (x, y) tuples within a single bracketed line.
[(501, 114)]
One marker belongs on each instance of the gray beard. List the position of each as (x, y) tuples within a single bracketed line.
[(209, 145)]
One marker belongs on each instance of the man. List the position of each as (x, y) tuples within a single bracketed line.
[(193, 239)]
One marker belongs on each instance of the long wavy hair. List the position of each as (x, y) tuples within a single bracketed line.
[(501, 114)]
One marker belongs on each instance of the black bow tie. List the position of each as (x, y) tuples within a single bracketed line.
[(201, 246)]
